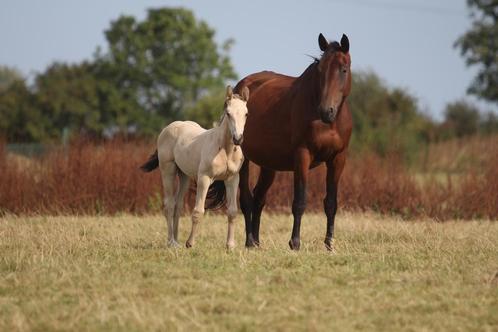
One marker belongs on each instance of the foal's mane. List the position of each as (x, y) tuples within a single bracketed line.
[(234, 96)]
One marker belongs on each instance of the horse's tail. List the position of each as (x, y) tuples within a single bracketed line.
[(216, 195), (151, 164)]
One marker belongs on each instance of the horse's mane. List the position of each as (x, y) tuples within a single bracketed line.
[(333, 47)]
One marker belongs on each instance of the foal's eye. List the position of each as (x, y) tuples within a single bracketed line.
[(246, 115), (228, 114)]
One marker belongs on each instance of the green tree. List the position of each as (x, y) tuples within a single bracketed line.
[(68, 95), (208, 109), (489, 123), (479, 47), (8, 76), (163, 64), (20, 118), (386, 120), (460, 119)]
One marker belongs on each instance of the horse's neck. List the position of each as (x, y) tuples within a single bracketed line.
[(307, 86), (223, 136)]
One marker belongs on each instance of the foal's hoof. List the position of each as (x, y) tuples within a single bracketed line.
[(230, 246), (173, 244), (295, 244), (188, 244)]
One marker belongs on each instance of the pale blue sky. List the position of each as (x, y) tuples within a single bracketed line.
[(408, 43)]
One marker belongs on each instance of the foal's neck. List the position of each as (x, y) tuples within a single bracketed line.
[(224, 136)]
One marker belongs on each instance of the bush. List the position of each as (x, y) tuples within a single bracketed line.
[(90, 178)]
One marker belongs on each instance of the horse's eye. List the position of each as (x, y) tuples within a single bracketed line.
[(246, 115), (228, 114), (344, 70)]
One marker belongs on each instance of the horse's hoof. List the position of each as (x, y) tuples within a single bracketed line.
[(295, 244), (230, 246), (329, 245), (250, 243), (188, 244)]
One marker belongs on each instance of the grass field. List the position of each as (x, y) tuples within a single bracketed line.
[(115, 273)]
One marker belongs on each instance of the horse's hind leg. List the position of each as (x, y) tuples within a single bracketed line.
[(246, 201), (168, 173), (180, 197), (203, 183), (231, 189), (265, 180)]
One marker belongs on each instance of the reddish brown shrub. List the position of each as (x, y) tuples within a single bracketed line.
[(82, 179), (88, 178)]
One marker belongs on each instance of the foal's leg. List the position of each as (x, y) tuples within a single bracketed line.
[(231, 188), (180, 201), (203, 183), (265, 180), (168, 173), (334, 171), (302, 163), (246, 201)]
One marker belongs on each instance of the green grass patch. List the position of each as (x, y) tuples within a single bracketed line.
[(116, 273)]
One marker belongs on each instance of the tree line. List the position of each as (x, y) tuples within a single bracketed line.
[(168, 67)]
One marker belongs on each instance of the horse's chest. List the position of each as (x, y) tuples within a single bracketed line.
[(325, 142), (227, 164)]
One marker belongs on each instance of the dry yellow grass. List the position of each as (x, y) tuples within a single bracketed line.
[(115, 273)]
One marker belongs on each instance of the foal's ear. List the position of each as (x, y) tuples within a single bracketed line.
[(322, 42), (344, 44), (229, 92), (245, 94)]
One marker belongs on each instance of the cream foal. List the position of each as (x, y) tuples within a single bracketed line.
[(186, 149)]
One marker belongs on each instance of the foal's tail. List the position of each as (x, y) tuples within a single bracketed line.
[(216, 195), (151, 164)]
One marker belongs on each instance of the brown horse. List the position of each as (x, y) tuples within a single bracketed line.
[(295, 124)]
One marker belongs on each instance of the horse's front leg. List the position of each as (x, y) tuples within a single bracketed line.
[(334, 171), (302, 163), (231, 188), (203, 183)]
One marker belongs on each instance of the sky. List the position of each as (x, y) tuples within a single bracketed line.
[(408, 43)]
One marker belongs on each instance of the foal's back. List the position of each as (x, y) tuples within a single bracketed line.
[(177, 143)]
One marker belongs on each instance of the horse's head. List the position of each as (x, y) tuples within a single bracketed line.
[(236, 113), (334, 69)]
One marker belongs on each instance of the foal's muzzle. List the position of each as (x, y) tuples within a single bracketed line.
[(328, 115), (238, 141)]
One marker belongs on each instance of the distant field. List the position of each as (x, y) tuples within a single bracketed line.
[(115, 273)]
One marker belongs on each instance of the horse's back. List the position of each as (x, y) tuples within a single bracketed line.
[(176, 137), (265, 80)]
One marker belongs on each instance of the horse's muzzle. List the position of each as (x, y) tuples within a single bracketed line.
[(328, 115), (238, 141)]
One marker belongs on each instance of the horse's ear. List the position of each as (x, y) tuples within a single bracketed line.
[(245, 94), (322, 42), (344, 44), (229, 92)]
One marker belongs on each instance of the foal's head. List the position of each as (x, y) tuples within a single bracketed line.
[(334, 69), (236, 113)]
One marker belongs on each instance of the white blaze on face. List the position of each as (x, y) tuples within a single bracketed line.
[(237, 115)]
